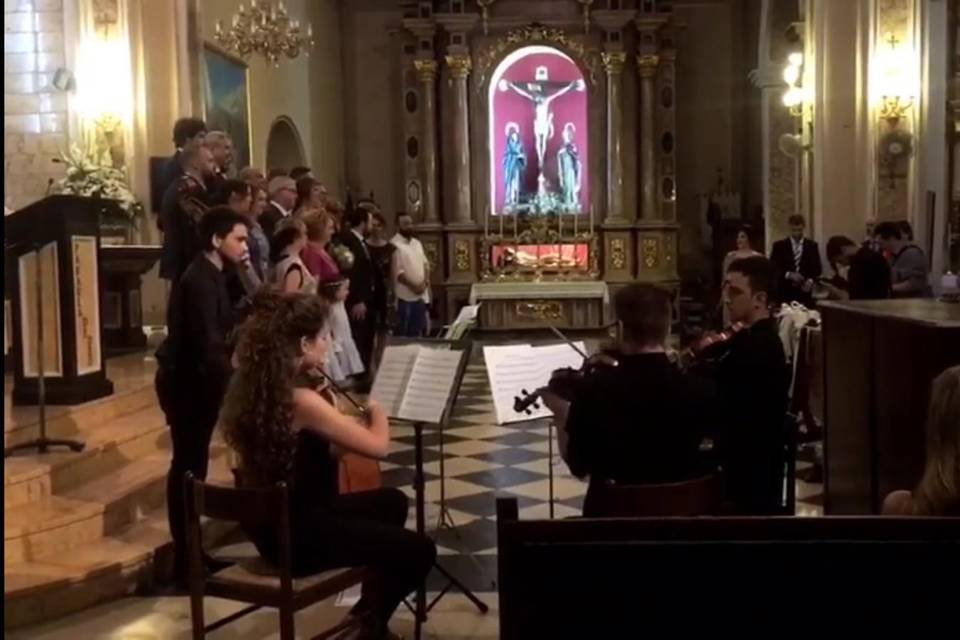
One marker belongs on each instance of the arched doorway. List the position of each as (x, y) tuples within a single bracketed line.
[(284, 147)]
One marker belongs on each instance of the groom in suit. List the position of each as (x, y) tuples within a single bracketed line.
[(797, 261), (360, 299)]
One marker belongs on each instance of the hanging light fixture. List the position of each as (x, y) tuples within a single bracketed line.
[(267, 30)]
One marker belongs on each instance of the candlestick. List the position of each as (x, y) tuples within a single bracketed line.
[(576, 220), (591, 219)]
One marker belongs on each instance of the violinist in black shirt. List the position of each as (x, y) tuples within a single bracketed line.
[(194, 360), (641, 421), (752, 378)]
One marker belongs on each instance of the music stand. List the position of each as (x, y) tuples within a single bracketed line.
[(41, 443), (421, 607)]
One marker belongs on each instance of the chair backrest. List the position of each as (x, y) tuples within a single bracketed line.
[(700, 496)]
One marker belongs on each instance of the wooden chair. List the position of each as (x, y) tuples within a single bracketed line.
[(700, 496), (255, 582)]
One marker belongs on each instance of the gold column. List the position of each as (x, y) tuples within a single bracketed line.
[(427, 74), (647, 63), (459, 66), (613, 62)]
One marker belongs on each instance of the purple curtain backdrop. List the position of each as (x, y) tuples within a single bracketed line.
[(508, 106)]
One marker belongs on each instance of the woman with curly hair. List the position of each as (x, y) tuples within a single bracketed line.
[(938, 493), (284, 429)]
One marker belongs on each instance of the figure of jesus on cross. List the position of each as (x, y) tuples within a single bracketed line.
[(538, 93)]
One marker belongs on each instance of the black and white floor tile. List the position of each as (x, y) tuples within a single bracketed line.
[(476, 461)]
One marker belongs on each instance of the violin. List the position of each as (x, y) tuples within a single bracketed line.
[(356, 473), (708, 346), (566, 382)]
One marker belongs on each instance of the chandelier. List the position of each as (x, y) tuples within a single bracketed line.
[(264, 29)]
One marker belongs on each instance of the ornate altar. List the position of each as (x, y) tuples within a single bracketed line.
[(531, 213)]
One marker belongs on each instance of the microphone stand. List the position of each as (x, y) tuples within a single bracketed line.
[(42, 443)]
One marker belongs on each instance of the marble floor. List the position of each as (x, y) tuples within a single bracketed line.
[(481, 461)]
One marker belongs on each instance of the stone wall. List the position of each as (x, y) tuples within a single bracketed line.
[(35, 113)]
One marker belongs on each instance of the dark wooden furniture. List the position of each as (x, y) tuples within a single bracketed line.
[(255, 582), (123, 268), (697, 497), (880, 357), (65, 232), (619, 577)]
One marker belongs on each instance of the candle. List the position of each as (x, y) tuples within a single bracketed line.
[(576, 219), (219, 27), (591, 219), (309, 30)]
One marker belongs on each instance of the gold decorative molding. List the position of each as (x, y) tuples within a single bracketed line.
[(647, 64), (459, 65), (539, 310), (618, 253), (432, 249), (426, 70), (613, 61), (461, 255), (650, 251), (535, 34)]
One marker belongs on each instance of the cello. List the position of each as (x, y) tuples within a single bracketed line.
[(356, 473)]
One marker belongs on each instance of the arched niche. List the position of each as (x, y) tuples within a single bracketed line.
[(537, 133), (284, 145)]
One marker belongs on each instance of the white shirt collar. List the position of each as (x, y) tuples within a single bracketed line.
[(358, 234), (286, 214)]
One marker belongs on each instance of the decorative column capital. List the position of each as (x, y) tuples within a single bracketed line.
[(647, 63), (426, 70), (613, 62), (459, 65)]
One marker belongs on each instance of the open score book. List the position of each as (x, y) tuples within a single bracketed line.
[(414, 381)]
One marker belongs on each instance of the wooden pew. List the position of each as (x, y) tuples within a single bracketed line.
[(621, 578)]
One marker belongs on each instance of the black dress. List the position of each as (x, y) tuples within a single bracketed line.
[(330, 531)]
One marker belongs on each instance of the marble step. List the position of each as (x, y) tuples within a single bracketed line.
[(22, 423), (100, 571), (31, 478), (98, 508)]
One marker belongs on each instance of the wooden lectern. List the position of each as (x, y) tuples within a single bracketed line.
[(61, 234)]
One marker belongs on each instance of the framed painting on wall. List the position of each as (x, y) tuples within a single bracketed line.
[(226, 99)]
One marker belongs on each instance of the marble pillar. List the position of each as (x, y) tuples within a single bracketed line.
[(459, 66), (647, 64), (613, 62), (427, 74)]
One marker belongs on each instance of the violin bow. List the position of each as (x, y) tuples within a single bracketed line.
[(569, 342)]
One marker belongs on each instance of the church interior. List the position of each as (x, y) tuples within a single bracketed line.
[(606, 292)]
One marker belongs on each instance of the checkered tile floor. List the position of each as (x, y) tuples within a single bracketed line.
[(482, 461)]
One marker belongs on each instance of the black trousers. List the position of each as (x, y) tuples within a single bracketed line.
[(364, 331), (365, 529), (191, 406)]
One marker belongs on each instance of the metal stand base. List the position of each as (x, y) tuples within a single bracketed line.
[(421, 608)]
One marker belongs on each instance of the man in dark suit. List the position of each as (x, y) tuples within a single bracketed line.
[(797, 263), (283, 197), (362, 274), (185, 131), (184, 204), (194, 361), (221, 146)]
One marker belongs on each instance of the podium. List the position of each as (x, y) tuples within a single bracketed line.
[(60, 235)]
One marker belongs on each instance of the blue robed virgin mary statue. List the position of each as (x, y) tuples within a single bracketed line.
[(514, 162)]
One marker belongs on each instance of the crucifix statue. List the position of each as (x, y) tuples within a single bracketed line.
[(539, 93)]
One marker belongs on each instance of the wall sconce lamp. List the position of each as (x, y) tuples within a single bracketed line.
[(896, 97), (794, 96)]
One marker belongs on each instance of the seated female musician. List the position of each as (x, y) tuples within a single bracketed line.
[(938, 493), (285, 430), (642, 421)]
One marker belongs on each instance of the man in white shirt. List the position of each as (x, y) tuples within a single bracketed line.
[(411, 273)]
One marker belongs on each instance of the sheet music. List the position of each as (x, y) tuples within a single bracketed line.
[(514, 368), (393, 376), (428, 389)]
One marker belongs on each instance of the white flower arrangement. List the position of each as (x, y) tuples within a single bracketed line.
[(86, 176)]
